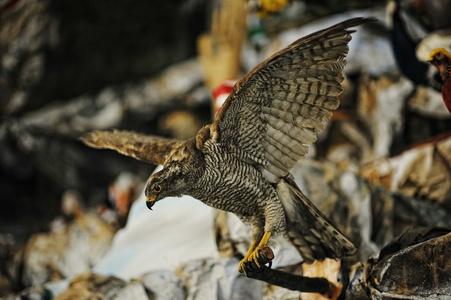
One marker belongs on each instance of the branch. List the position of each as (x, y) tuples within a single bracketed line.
[(284, 279)]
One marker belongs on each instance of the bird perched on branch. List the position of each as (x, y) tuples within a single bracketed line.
[(441, 59), (241, 162)]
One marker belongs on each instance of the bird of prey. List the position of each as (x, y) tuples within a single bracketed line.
[(241, 162), (441, 59)]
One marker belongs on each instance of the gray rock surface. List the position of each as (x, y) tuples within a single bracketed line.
[(164, 285), (94, 286), (212, 278), (71, 250)]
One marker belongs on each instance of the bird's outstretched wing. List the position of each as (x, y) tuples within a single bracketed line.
[(276, 109), (151, 149)]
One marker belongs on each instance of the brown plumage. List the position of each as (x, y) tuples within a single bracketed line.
[(151, 149), (241, 162)]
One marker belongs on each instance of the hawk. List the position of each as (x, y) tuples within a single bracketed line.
[(241, 162)]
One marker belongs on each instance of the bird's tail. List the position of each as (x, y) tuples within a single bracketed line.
[(308, 230)]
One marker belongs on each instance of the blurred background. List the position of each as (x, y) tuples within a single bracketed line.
[(69, 67)]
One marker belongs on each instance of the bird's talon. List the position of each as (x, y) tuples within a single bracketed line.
[(254, 258), (242, 267)]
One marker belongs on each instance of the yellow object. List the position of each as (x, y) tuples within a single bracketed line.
[(267, 7), (436, 51), (252, 253), (273, 5), (241, 267), (264, 240)]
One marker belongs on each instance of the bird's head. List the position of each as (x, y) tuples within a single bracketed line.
[(438, 56), (441, 59), (167, 182), (177, 177)]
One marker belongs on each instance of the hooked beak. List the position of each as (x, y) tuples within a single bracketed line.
[(150, 201)]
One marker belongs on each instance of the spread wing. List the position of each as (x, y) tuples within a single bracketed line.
[(151, 149), (276, 109)]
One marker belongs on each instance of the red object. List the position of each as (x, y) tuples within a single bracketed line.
[(446, 93), (221, 93), (445, 71)]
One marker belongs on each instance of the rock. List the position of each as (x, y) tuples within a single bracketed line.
[(164, 285), (380, 106), (57, 287), (5, 285), (350, 147), (421, 172), (276, 293), (33, 293), (413, 266), (71, 250), (218, 278), (26, 29), (428, 102), (94, 286), (132, 291), (11, 256)]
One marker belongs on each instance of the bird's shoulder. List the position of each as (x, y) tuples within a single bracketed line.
[(185, 152)]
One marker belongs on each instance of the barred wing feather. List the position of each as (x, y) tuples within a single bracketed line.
[(276, 110)]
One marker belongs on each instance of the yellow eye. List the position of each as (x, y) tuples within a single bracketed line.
[(157, 189)]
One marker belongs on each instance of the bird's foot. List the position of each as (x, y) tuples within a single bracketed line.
[(257, 261), (242, 266), (255, 257), (250, 263), (253, 254)]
